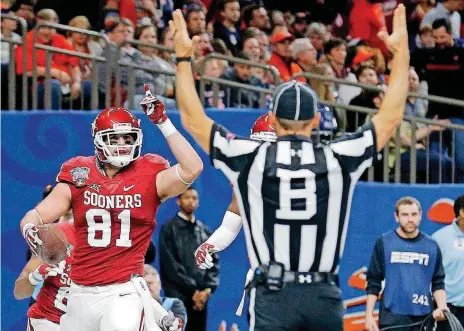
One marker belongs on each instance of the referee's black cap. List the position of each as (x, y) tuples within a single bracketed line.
[(294, 101)]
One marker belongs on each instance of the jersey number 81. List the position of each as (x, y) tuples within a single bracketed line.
[(104, 227)]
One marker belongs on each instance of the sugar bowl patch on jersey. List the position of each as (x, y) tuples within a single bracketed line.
[(80, 175)]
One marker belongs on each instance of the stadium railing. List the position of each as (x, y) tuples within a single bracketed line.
[(12, 63), (388, 173), (49, 54), (414, 121), (273, 70), (132, 67)]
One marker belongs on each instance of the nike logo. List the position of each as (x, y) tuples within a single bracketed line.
[(128, 188)]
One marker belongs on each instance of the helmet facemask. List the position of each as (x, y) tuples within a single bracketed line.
[(115, 154)]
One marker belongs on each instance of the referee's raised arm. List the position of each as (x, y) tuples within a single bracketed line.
[(392, 109), (192, 114)]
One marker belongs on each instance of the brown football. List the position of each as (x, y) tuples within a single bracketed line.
[(54, 247)]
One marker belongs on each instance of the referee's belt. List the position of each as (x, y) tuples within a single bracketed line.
[(262, 274), (310, 277)]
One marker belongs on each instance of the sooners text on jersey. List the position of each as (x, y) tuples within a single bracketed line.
[(114, 218), (53, 296)]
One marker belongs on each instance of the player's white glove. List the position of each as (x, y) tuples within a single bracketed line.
[(30, 235), (44, 271), (171, 323), (203, 256)]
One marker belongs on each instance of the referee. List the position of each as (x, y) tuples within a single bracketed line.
[(294, 196)]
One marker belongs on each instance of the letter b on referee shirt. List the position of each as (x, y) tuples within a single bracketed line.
[(305, 197)]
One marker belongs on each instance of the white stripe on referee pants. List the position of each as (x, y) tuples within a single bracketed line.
[(251, 309)]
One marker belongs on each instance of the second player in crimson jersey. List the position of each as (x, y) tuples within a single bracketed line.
[(50, 305), (114, 196)]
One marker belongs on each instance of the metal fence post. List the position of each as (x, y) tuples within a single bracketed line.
[(48, 80), (413, 153), (397, 156), (11, 78), (94, 98)]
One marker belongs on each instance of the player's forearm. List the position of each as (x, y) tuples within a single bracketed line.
[(440, 298), (190, 164), (31, 217), (227, 232), (370, 304), (192, 114), (23, 288)]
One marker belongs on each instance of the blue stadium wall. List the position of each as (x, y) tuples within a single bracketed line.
[(35, 144)]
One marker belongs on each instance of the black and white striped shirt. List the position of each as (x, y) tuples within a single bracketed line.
[(294, 197)]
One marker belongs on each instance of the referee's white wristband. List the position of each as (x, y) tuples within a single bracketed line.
[(33, 280), (167, 128)]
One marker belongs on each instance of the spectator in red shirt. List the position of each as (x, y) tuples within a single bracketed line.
[(366, 21), (137, 11), (65, 69), (281, 56)]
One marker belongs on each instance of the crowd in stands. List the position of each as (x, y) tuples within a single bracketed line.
[(337, 39)]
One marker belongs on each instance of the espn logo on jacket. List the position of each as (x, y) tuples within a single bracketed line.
[(409, 258)]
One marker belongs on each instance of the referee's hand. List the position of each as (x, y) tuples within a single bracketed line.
[(398, 40), (371, 324)]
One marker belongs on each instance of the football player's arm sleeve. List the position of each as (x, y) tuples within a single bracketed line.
[(227, 231), (178, 309), (171, 270), (438, 278), (212, 274), (376, 272), (192, 113), (231, 153), (23, 288)]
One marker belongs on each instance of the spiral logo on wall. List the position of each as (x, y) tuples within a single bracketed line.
[(35, 144)]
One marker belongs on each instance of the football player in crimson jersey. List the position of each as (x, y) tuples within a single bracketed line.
[(114, 196), (231, 224), (50, 305)]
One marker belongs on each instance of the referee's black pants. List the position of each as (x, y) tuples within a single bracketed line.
[(297, 307)]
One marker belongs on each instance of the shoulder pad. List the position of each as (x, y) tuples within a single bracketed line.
[(75, 171)]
